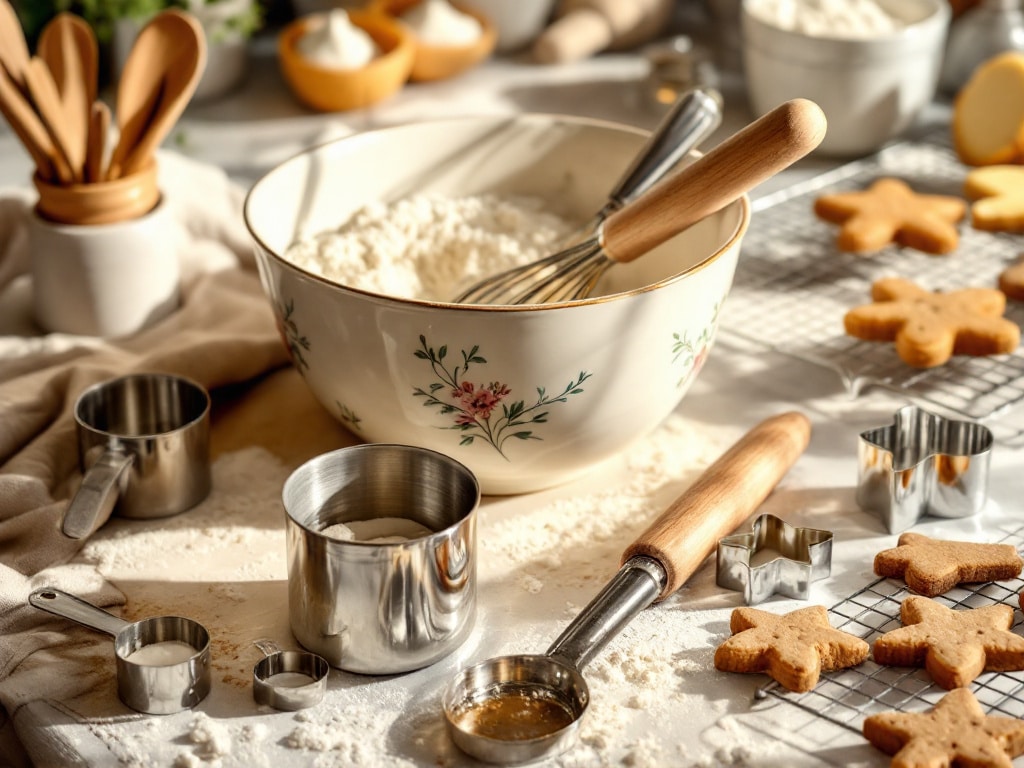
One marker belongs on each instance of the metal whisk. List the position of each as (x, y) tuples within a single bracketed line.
[(758, 151), (691, 119)]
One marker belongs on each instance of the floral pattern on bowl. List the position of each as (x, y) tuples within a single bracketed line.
[(474, 405)]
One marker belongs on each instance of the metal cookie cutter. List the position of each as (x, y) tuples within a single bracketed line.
[(923, 464), (801, 555)]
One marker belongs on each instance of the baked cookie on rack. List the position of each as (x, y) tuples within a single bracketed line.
[(928, 327), (953, 646), (889, 211), (1011, 281), (997, 192), (793, 648), (956, 731), (933, 566)]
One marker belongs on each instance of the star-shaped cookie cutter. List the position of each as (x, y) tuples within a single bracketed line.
[(923, 464), (801, 555)]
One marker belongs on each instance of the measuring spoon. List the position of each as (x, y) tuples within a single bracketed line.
[(288, 680), (159, 77), (163, 662), (514, 709)]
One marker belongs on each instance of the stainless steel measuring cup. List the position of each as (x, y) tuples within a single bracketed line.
[(163, 662), (514, 709), (288, 680), (143, 444), (390, 606)]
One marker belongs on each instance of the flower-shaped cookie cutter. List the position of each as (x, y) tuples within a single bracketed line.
[(922, 464), (792, 557)]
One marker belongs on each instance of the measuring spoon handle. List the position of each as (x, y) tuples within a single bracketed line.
[(722, 497), (68, 606), (753, 154)]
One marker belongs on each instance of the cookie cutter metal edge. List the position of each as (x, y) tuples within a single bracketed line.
[(804, 555), (921, 464)]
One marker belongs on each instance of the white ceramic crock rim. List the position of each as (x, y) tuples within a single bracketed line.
[(731, 242)]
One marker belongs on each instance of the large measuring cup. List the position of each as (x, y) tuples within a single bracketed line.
[(163, 662), (514, 709)]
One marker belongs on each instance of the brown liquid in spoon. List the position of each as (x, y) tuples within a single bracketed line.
[(514, 715)]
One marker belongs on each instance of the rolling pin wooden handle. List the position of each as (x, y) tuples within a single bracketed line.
[(753, 154), (722, 497)]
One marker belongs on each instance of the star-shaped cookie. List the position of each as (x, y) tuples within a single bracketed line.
[(954, 646), (792, 648), (933, 566), (998, 195), (955, 732), (889, 211), (928, 327)]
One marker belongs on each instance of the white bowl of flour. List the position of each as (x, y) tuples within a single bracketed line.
[(871, 65), (361, 243)]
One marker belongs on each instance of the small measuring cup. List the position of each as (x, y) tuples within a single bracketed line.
[(143, 444), (163, 662), (514, 709), (288, 680)]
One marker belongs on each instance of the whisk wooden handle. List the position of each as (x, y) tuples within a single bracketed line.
[(751, 155), (722, 497)]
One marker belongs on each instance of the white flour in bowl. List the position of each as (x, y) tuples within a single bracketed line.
[(429, 247)]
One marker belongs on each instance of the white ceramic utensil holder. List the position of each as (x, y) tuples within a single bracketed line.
[(104, 279)]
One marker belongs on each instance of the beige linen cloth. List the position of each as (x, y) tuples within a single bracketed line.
[(223, 336)]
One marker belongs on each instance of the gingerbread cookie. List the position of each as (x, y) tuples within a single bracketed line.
[(998, 195), (955, 732), (793, 648), (929, 328), (954, 646), (1011, 281), (933, 566), (889, 211)]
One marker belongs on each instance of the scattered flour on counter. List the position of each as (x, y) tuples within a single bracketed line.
[(427, 247), (212, 739), (241, 513)]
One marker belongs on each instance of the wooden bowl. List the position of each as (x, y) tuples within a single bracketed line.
[(438, 62), (333, 90)]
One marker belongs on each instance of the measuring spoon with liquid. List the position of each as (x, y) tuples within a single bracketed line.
[(163, 662), (515, 709)]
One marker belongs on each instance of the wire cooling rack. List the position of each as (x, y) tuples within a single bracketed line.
[(843, 698), (793, 286)]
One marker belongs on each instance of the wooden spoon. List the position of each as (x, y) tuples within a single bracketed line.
[(29, 129), (69, 48), (14, 54), (159, 77), (44, 95), (99, 126)]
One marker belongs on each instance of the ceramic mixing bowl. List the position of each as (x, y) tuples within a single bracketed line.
[(525, 396), (871, 89)]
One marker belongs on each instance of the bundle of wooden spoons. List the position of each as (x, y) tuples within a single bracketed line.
[(50, 100)]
